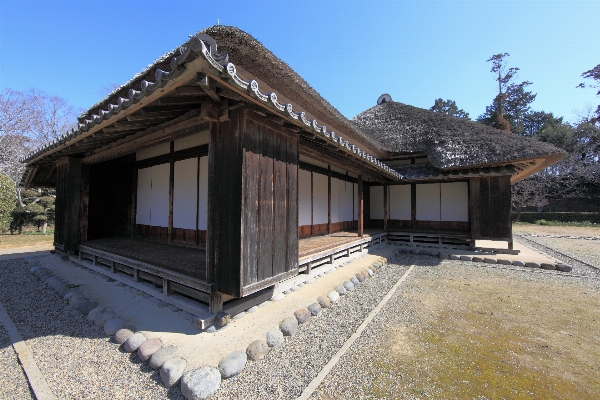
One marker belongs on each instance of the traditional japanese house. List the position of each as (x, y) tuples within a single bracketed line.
[(217, 170)]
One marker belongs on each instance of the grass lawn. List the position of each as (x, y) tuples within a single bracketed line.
[(26, 239)]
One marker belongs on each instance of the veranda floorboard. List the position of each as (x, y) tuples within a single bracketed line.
[(316, 244)]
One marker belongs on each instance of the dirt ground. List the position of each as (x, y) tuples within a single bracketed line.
[(489, 333), (9, 241), (580, 231)]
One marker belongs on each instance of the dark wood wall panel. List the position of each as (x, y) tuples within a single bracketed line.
[(489, 201), (270, 216), (67, 230), (223, 250)]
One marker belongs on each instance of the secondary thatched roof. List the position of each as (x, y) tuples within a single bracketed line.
[(449, 142)]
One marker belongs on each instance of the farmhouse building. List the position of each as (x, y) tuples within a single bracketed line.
[(218, 172)]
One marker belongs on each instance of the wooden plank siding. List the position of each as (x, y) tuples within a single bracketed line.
[(489, 202), (253, 212), (67, 230)]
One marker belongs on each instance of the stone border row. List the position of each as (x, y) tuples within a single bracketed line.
[(203, 382), (559, 236), (443, 255)]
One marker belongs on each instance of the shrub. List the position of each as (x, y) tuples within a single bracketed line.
[(7, 201)]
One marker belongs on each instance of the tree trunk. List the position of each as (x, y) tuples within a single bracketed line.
[(44, 227)]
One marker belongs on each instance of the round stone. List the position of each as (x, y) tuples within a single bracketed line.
[(444, 256), (84, 306), (547, 266), (148, 348), (454, 257), (370, 271), (171, 371), (310, 280), (434, 252), (134, 342), (232, 364), (518, 263), (252, 309), (288, 291), (466, 258), (340, 290), (533, 265), (354, 281), (477, 259), (264, 303), (102, 318), (257, 349), (274, 337), (92, 315), (333, 296), (288, 326), (294, 288), (503, 261), (564, 267), (489, 260), (324, 302), (349, 286), (200, 384), (239, 315), (113, 325), (161, 356), (314, 308), (122, 335), (278, 297), (302, 315), (364, 273)]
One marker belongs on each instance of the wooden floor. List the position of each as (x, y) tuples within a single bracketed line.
[(184, 259), (316, 244), (191, 261)]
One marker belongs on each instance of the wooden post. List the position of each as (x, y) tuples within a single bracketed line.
[(385, 207), (197, 232), (360, 206), (134, 176), (85, 202), (166, 287), (312, 205), (413, 205), (215, 303), (329, 199), (171, 189)]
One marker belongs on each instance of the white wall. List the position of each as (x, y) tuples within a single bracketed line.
[(320, 198), (304, 204), (184, 193), (144, 196), (160, 195), (203, 194), (335, 199), (399, 202), (376, 206), (346, 194), (428, 202), (158, 150), (197, 139), (455, 201)]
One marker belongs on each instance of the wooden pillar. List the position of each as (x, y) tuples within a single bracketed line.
[(85, 202), (329, 199), (385, 207), (413, 205), (133, 208), (312, 205), (360, 206), (171, 189)]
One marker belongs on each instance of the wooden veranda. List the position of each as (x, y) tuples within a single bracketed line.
[(181, 268)]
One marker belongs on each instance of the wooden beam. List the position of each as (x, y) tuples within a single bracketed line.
[(181, 126), (329, 199), (385, 206), (360, 207), (208, 86)]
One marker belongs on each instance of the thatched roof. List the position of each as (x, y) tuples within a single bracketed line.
[(448, 142), (248, 53)]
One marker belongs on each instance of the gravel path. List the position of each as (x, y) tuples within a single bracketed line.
[(13, 380), (286, 371), (366, 364), (582, 249), (76, 358)]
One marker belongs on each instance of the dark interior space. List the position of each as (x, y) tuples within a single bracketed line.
[(111, 198)]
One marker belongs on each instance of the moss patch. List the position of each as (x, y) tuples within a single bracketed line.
[(487, 335)]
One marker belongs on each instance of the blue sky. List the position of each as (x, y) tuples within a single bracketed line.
[(349, 51)]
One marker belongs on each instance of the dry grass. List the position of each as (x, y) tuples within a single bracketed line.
[(579, 231), (488, 335), (26, 239)]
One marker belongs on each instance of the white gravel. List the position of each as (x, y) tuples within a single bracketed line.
[(13, 382), (76, 358)]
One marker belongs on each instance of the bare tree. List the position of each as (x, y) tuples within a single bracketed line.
[(30, 119)]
